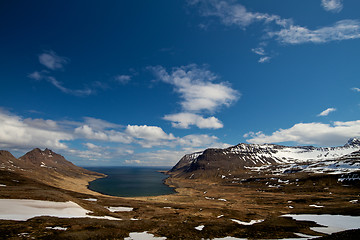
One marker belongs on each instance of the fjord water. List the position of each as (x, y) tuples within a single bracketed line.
[(130, 181)]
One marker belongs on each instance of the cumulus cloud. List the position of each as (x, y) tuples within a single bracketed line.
[(52, 61), (166, 157), (332, 5), (326, 112), (341, 30), (196, 88), (98, 140), (92, 132), (19, 133), (321, 134), (198, 92), (198, 140), (151, 133), (185, 120)]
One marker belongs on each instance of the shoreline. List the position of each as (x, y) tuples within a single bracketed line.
[(164, 181)]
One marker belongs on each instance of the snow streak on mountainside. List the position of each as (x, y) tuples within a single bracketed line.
[(262, 156)]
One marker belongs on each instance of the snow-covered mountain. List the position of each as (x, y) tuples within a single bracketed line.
[(264, 156)]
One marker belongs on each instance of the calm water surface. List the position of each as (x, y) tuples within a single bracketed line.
[(130, 181)]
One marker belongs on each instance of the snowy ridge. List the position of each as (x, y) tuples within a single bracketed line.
[(283, 154), (263, 157)]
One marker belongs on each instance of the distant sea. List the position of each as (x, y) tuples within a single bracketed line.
[(131, 181)]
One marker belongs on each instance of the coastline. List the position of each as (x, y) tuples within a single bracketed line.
[(163, 181)]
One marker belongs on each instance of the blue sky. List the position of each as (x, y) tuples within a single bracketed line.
[(141, 83)]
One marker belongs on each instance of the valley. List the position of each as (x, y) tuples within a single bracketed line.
[(248, 201)]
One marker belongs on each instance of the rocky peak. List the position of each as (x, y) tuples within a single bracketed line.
[(353, 141)]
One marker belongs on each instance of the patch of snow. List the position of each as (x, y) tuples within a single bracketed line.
[(354, 201), (24, 209), (247, 223), (332, 223), (2, 185), (209, 198), (143, 236), (90, 199), (120, 209), (220, 216), (57, 228), (316, 206), (200, 227), (167, 207), (290, 207)]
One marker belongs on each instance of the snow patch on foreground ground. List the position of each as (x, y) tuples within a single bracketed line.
[(119, 209), (332, 223), (200, 227), (57, 228), (247, 223), (24, 209), (143, 236)]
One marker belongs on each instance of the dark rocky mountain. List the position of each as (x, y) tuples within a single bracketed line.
[(47, 167), (256, 157)]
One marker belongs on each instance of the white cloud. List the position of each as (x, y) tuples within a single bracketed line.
[(232, 13), (118, 141), (341, 30), (52, 61), (87, 132), (199, 94), (123, 79), (356, 89), (111, 135), (76, 92), (326, 112), (198, 140), (185, 120), (43, 75), (332, 5), (18, 133), (36, 75), (151, 133), (161, 157), (100, 124), (196, 88), (321, 134), (259, 51), (264, 59)]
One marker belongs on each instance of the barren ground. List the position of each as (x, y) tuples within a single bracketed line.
[(197, 202)]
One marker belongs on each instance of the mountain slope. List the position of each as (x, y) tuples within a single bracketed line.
[(50, 168), (213, 162)]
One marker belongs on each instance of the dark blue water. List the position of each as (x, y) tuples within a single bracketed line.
[(130, 181)]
